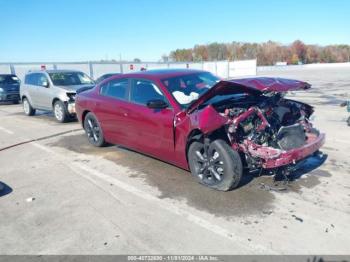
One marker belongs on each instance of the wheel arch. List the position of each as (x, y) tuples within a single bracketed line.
[(220, 133), (24, 96), (83, 115), (55, 100), (198, 135), (194, 135)]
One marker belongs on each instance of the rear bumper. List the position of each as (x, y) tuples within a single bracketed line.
[(272, 158)]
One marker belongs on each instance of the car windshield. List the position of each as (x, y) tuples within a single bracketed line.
[(187, 88), (103, 77), (70, 78), (9, 79)]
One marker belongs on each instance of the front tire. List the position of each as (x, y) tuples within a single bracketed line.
[(60, 111), (93, 130), (27, 107), (219, 168)]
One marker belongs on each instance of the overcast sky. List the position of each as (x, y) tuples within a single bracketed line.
[(80, 30)]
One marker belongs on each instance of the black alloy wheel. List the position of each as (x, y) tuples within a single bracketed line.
[(218, 166), (93, 130)]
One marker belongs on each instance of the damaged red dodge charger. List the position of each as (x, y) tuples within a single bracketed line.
[(196, 121)]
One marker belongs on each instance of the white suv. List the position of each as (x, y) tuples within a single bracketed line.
[(53, 90)]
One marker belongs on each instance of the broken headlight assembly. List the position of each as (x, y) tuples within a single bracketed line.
[(71, 96)]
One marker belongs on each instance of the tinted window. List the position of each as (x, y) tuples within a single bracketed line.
[(9, 79), (28, 79), (70, 78), (41, 78), (32, 79), (143, 91), (115, 88)]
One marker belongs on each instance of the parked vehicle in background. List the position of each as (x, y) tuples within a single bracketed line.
[(105, 76), (194, 120), (53, 90), (9, 88)]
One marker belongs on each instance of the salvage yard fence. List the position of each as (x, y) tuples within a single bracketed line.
[(224, 69)]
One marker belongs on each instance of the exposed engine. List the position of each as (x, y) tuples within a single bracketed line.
[(267, 120)]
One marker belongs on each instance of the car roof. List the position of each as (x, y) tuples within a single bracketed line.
[(163, 73), (111, 74), (53, 71)]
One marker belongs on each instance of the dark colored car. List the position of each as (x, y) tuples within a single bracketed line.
[(9, 88), (105, 76), (194, 120)]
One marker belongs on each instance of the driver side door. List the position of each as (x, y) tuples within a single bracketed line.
[(150, 130)]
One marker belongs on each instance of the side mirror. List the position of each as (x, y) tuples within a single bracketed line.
[(45, 84), (157, 104)]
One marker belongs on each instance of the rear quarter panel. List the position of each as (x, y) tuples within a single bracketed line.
[(24, 91), (84, 102)]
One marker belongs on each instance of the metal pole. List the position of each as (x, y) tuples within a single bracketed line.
[(228, 68), (12, 69), (91, 70)]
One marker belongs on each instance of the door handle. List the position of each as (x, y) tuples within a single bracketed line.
[(124, 111)]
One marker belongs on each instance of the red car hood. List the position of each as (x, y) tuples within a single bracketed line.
[(254, 86)]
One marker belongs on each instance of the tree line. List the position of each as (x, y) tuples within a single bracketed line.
[(267, 53)]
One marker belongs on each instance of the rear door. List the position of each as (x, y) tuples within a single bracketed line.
[(149, 130), (31, 87), (110, 110)]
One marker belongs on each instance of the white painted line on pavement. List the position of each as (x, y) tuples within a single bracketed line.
[(340, 140), (88, 173), (6, 130)]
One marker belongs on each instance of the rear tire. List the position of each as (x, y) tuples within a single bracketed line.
[(27, 107), (348, 121), (16, 102), (93, 130), (60, 111), (222, 170)]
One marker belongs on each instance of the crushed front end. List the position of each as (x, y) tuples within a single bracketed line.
[(271, 131), (71, 103)]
